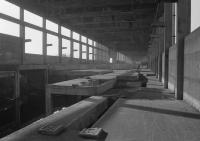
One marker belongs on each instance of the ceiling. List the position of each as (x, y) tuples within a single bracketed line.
[(124, 25)]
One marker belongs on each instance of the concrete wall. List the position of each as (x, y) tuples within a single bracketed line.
[(192, 69), (172, 68), (9, 50)]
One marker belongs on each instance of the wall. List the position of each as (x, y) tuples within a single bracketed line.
[(172, 68), (192, 69), (9, 50)]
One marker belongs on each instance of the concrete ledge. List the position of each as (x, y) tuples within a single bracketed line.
[(192, 101), (75, 117)]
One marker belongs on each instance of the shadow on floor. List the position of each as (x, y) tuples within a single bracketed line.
[(163, 111), (148, 93), (154, 84)]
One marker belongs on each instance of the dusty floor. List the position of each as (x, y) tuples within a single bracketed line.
[(150, 114)]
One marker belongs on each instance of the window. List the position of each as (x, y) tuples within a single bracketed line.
[(9, 9), (90, 53), (66, 48), (10, 28), (90, 42), (32, 18), (195, 17), (83, 39), (95, 44), (84, 52), (76, 36), (35, 44), (51, 26), (52, 45), (111, 60), (76, 50), (65, 31)]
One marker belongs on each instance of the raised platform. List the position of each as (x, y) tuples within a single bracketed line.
[(90, 86)]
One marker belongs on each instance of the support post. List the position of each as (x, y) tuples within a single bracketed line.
[(71, 46), (44, 36), (59, 43), (22, 34), (167, 40), (184, 14)]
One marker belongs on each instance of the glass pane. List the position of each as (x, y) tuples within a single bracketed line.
[(66, 48), (89, 41), (83, 39), (90, 53), (84, 52), (65, 31), (53, 49), (32, 18), (76, 36), (35, 46), (76, 50), (195, 16), (51, 26), (95, 44), (111, 60), (9, 9), (10, 28)]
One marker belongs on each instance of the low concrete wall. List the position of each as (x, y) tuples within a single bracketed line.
[(172, 68), (192, 69), (75, 117)]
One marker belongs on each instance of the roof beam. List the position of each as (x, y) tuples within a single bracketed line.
[(96, 8)]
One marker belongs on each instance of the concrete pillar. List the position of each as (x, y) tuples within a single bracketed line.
[(167, 40), (71, 46), (59, 43), (44, 43), (160, 49), (184, 14), (156, 65), (160, 67), (22, 35)]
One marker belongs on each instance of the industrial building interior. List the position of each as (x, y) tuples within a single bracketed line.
[(99, 70)]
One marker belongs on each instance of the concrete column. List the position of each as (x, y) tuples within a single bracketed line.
[(184, 14), (80, 49), (44, 42), (160, 66), (71, 46), (160, 45), (156, 66), (87, 51), (22, 34), (167, 40), (59, 43)]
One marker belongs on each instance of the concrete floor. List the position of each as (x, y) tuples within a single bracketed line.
[(150, 114)]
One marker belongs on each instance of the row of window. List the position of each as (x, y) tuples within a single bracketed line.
[(73, 44)]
